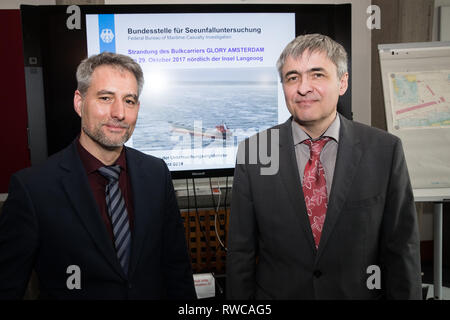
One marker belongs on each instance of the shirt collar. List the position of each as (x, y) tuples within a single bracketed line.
[(332, 131), (92, 164)]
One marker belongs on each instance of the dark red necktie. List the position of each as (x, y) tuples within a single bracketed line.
[(315, 188)]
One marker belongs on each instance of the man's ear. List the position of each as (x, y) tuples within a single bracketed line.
[(77, 102), (343, 84)]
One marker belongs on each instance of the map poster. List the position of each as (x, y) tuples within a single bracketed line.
[(420, 100)]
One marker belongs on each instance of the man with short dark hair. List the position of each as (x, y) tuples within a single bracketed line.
[(97, 220), (337, 221)]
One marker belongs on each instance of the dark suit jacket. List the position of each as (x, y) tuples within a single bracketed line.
[(371, 220), (51, 221)]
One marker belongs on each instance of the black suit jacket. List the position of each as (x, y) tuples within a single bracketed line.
[(51, 221), (371, 220)]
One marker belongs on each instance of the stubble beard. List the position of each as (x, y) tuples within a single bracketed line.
[(100, 138)]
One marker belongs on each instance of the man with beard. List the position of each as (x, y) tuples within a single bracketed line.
[(97, 220)]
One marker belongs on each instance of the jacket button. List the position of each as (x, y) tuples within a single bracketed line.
[(317, 273)]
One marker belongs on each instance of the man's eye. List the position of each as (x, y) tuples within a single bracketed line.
[(105, 98), (318, 75), (130, 102), (292, 78)]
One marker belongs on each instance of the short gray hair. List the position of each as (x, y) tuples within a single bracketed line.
[(315, 43), (123, 62)]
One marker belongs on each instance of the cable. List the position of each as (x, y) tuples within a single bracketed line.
[(216, 211), (220, 194)]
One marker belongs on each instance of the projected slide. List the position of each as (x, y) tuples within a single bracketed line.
[(210, 79)]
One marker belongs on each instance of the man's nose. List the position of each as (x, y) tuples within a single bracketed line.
[(304, 86), (118, 110)]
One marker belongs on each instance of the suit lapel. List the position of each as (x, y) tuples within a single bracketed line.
[(76, 187), (347, 161), (291, 180)]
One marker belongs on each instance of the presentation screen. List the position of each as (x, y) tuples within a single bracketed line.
[(210, 72), (210, 79)]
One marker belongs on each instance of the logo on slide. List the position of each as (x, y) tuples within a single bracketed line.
[(107, 35)]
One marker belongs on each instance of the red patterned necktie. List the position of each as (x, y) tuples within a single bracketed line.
[(315, 188)]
